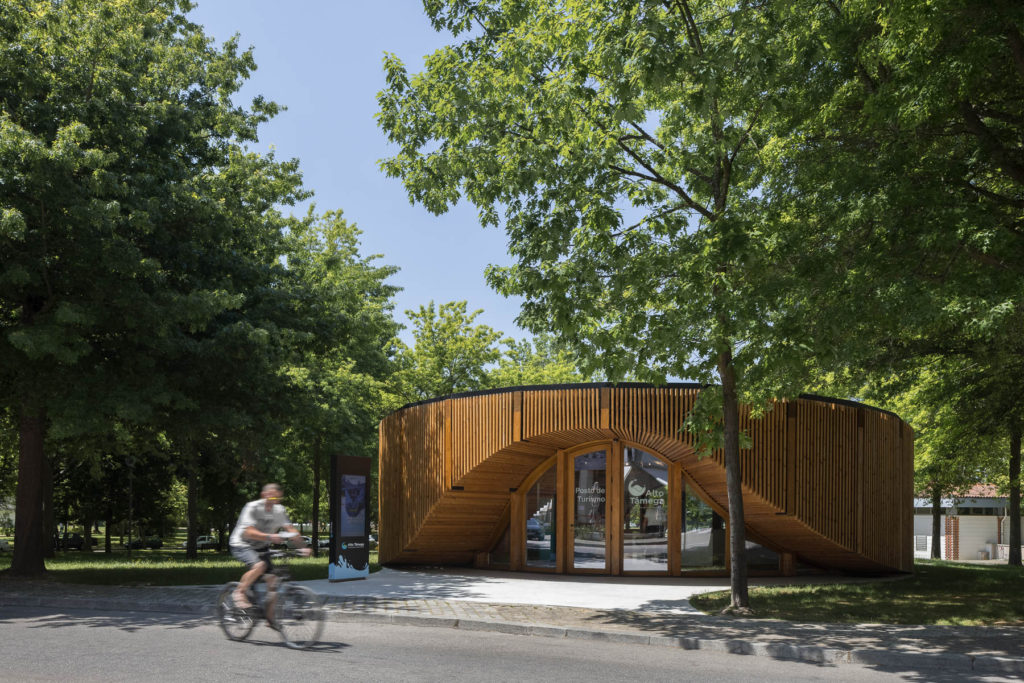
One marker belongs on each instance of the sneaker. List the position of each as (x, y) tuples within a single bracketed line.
[(241, 601)]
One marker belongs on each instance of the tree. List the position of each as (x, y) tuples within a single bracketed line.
[(537, 361), (339, 375), (116, 119), (620, 145), (921, 106), (450, 355)]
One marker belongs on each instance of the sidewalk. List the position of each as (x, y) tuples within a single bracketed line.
[(641, 611)]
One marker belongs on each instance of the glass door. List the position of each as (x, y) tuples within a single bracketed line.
[(645, 493), (589, 511)]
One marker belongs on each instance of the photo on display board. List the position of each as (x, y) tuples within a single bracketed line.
[(353, 505)]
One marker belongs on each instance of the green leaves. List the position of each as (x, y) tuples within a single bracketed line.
[(451, 354), (558, 120)]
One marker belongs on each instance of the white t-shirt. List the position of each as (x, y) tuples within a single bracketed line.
[(255, 514)]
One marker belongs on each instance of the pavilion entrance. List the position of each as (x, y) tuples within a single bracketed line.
[(617, 508)]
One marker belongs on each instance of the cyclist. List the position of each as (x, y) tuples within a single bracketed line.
[(257, 529)]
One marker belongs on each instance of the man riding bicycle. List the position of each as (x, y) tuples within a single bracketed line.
[(257, 529)]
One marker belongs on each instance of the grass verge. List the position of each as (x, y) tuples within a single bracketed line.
[(163, 568), (937, 593)]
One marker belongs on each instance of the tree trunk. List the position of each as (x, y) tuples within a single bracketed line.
[(29, 533), (49, 516), (737, 531), (1014, 541), (316, 498), (106, 534), (193, 510), (936, 523), (87, 533)]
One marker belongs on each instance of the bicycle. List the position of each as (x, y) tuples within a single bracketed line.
[(298, 612)]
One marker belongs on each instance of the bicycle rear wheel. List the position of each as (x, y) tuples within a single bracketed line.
[(236, 623), (300, 616)]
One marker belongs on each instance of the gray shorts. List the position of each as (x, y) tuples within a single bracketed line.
[(248, 555)]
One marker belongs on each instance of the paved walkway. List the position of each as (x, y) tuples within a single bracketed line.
[(641, 611)]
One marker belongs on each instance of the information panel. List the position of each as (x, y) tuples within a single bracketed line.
[(350, 521)]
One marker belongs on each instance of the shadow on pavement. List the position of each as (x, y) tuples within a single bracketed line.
[(52, 617)]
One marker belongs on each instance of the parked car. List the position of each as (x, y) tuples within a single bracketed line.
[(4, 545), (151, 542), (325, 541), (203, 543), (73, 541), (534, 530)]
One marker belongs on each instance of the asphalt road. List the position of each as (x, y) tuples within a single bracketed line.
[(78, 645)]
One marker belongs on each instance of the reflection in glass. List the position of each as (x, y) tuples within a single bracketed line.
[(589, 487), (703, 536), (645, 512), (761, 558), (541, 521)]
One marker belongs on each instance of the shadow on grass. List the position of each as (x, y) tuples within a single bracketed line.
[(161, 568), (937, 593)]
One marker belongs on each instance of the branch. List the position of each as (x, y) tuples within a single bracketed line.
[(988, 259), (658, 178), (692, 32), (647, 219), (990, 113), (746, 134), (1016, 49), (994, 196), (646, 136), (661, 181), (989, 141)]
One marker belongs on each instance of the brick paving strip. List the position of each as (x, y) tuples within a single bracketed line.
[(992, 649)]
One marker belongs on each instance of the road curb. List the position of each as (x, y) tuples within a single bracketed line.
[(812, 654)]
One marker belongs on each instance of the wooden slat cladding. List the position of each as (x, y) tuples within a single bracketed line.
[(415, 462), (828, 480), (826, 475), (884, 487), (547, 413), (764, 464), (482, 426), (653, 416)]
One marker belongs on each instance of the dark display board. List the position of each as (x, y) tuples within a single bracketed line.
[(350, 519)]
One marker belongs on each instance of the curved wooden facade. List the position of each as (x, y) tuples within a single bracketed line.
[(826, 482)]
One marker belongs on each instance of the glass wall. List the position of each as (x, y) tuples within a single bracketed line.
[(541, 521), (645, 512), (643, 515), (703, 535), (590, 483)]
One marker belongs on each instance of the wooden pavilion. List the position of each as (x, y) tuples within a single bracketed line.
[(599, 478)]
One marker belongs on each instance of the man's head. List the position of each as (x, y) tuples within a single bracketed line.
[(271, 492)]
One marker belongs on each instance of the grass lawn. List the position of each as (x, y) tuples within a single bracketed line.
[(164, 568), (937, 593)]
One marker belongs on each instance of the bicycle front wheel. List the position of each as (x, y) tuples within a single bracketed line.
[(235, 623), (300, 616)]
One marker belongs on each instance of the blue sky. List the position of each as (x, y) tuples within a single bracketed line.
[(322, 60)]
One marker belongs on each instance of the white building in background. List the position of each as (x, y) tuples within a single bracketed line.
[(973, 526)]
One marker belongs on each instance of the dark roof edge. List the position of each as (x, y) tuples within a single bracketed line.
[(628, 385)]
